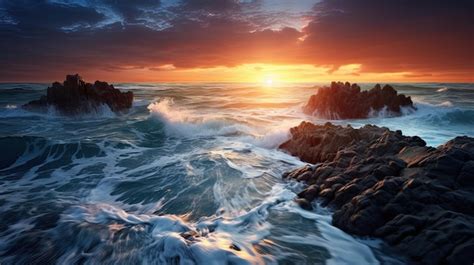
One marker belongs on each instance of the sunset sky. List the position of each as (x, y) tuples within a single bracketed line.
[(237, 41)]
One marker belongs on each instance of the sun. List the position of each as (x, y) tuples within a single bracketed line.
[(268, 81)]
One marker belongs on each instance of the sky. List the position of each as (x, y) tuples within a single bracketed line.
[(237, 40)]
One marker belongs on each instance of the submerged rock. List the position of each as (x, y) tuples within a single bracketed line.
[(346, 101), (75, 96), (419, 199)]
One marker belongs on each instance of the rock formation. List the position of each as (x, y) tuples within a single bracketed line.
[(380, 183), (75, 96), (346, 101)]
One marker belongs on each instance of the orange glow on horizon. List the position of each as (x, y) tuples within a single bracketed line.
[(266, 74)]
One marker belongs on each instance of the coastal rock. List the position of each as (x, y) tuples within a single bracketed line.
[(346, 101), (381, 183), (75, 96)]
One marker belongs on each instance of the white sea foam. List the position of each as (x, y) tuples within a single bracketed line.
[(326, 115), (443, 89), (166, 110), (213, 237), (270, 139), (383, 113), (11, 106), (12, 111), (446, 103), (185, 122), (211, 243)]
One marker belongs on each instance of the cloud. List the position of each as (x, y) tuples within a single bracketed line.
[(211, 5), (385, 35), (37, 15), (165, 67), (417, 75), (43, 38), (131, 11)]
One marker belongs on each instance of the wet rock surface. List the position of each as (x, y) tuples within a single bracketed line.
[(74, 96), (380, 183), (347, 101)]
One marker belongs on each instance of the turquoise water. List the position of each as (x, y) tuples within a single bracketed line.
[(198, 159)]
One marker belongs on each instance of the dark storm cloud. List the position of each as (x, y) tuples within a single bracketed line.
[(128, 11), (209, 41), (211, 5), (388, 35), (44, 14), (381, 35), (133, 9)]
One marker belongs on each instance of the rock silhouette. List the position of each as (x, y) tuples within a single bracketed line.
[(419, 199), (75, 96), (346, 101)]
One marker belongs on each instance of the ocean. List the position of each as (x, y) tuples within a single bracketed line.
[(190, 175)]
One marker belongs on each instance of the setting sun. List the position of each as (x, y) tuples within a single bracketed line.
[(268, 81)]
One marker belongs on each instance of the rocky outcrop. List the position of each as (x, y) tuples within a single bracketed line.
[(75, 96), (346, 101), (380, 183)]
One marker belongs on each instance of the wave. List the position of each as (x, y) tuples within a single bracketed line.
[(446, 103), (11, 106), (184, 122), (137, 86), (187, 123), (443, 89), (386, 113), (272, 139), (382, 113), (165, 239), (432, 114), (26, 152), (17, 147), (16, 88), (109, 234), (13, 111), (444, 113), (106, 233), (437, 113), (452, 116)]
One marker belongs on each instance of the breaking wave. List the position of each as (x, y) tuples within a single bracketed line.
[(444, 113), (184, 122)]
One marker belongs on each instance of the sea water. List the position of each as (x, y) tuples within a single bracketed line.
[(190, 175)]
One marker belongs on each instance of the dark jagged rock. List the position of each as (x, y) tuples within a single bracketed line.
[(419, 199), (346, 101), (75, 96)]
